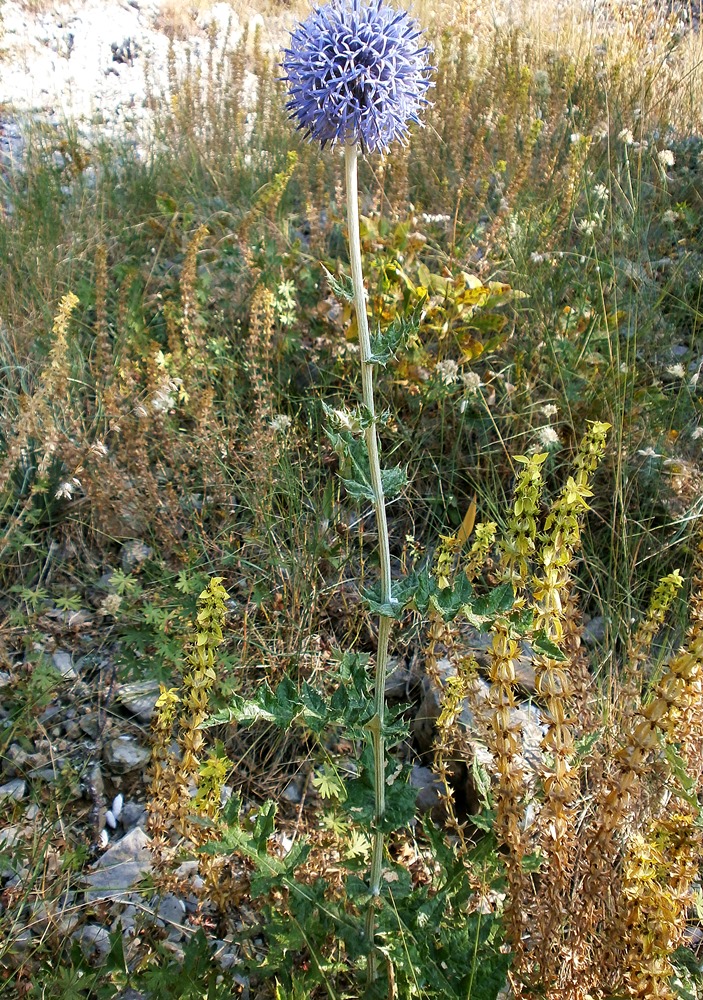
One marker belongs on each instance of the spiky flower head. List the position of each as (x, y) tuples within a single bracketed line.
[(356, 73)]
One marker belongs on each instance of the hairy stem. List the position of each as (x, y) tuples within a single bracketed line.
[(376, 726)]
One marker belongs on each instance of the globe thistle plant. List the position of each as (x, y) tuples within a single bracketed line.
[(357, 75)]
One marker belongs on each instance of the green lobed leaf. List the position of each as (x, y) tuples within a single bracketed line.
[(329, 783), (342, 287)]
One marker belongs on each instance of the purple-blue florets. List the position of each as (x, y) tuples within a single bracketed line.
[(356, 73)]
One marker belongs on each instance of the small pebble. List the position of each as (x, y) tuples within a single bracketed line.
[(94, 942), (15, 789), (293, 792), (127, 920), (132, 814), (186, 869), (117, 804), (104, 838), (63, 662), (110, 819)]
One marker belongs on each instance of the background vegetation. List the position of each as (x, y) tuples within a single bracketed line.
[(546, 220)]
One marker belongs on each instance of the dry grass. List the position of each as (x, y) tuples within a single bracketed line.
[(179, 18)]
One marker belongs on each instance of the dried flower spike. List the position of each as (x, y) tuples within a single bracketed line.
[(356, 74)]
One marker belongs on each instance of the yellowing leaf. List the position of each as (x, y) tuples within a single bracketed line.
[(467, 525)]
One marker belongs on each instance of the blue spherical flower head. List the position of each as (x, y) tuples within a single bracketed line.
[(357, 74)]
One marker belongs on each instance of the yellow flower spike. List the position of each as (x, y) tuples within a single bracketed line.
[(211, 777), (519, 543), (509, 795), (167, 698), (444, 560), (658, 871), (171, 795), (485, 534), (640, 644), (591, 451), (551, 591)]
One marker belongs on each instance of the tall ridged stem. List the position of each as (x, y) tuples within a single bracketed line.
[(384, 628)]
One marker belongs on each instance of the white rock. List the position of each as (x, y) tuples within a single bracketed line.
[(120, 867), (110, 820), (9, 836), (125, 754), (139, 698), (15, 789), (222, 16), (63, 661), (255, 21), (117, 804)]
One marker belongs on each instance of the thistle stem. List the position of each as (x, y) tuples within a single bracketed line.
[(371, 437)]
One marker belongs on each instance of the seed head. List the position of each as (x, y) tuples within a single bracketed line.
[(356, 73)]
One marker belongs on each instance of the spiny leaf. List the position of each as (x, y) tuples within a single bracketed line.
[(481, 782), (341, 287), (393, 480), (279, 707), (315, 709), (485, 820), (451, 600), (264, 825), (521, 621), (358, 489), (497, 602), (386, 343), (386, 609)]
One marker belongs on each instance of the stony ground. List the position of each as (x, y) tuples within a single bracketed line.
[(93, 62), (74, 776), (76, 771)]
